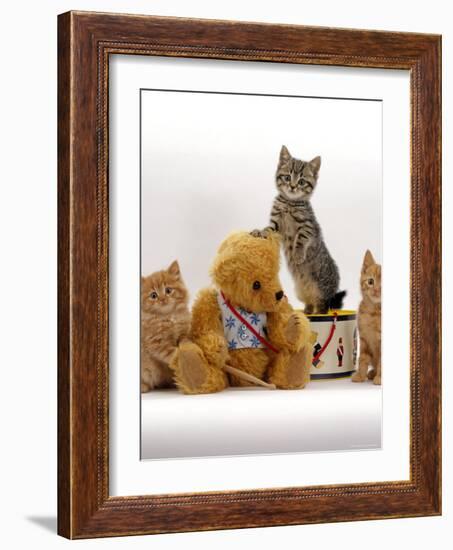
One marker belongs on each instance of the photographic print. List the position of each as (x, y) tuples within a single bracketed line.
[(261, 247)]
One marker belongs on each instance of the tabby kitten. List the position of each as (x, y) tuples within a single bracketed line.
[(314, 271), (165, 321), (369, 322)]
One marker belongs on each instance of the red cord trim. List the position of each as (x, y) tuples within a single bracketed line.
[(327, 342)]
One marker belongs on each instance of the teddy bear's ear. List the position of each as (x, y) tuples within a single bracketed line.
[(231, 241), (223, 269), (225, 262)]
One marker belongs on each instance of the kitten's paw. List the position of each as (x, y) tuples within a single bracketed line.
[(371, 374), (300, 251), (144, 388), (358, 377), (262, 233), (377, 380)]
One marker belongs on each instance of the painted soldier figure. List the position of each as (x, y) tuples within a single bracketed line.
[(340, 352)]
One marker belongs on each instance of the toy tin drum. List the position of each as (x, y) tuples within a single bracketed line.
[(335, 344)]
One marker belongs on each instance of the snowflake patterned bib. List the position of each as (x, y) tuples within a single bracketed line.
[(236, 333)]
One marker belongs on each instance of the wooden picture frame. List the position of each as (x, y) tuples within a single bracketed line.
[(85, 42)]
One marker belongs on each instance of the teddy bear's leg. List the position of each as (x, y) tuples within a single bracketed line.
[(291, 370), (193, 373), (251, 361)]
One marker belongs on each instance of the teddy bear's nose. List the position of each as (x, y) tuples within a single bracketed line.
[(279, 294)]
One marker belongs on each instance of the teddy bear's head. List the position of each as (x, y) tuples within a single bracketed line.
[(246, 270)]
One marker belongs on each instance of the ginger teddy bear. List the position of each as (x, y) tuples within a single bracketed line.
[(244, 324)]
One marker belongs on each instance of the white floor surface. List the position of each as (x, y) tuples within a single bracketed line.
[(326, 416)]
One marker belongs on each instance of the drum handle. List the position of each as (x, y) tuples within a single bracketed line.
[(327, 342)]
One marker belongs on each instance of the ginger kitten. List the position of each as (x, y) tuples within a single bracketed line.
[(165, 321), (369, 322)]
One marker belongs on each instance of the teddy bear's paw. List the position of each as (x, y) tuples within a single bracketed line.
[(214, 348), (144, 388), (221, 350), (296, 371), (291, 371), (293, 329), (377, 380)]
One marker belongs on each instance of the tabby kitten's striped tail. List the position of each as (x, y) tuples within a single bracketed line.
[(336, 302)]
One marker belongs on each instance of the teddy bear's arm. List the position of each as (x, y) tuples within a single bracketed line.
[(206, 315), (207, 328), (288, 329), (290, 332)]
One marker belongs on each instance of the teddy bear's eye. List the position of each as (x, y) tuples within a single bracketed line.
[(256, 285), (370, 282)]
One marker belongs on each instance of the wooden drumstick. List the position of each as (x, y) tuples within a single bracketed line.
[(249, 377)]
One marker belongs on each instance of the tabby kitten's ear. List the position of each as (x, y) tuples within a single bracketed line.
[(284, 155), (368, 261), (174, 269), (315, 165)]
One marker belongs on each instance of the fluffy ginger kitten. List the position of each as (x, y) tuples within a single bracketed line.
[(369, 322), (165, 321)]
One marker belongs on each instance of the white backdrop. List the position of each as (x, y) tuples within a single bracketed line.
[(208, 166), (128, 475), (28, 281)]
